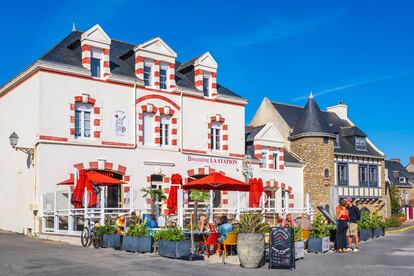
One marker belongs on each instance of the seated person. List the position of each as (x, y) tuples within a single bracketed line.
[(202, 224), (225, 227), (288, 221), (152, 222), (120, 225)]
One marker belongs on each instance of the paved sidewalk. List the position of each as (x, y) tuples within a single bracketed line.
[(20, 255)]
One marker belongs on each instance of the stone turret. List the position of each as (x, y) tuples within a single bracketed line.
[(312, 140)]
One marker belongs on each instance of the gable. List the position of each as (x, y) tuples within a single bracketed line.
[(97, 37), (269, 136), (206, 60), (156, 46)]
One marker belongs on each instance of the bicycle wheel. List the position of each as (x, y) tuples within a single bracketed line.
[(97, 241), (85, 237), (91, 235)]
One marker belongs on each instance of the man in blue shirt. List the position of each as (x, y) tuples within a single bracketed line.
[(152, 222), (225, 227)]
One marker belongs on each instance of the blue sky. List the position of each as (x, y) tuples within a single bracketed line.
[(360, 52)]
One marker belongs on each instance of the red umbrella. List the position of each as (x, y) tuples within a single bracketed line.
[(255, 193), (217, 181), (95, 178), (79, 192), (172, 201)]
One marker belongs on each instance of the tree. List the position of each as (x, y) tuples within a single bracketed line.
[(395, 203), (156, 195), (198, 196)]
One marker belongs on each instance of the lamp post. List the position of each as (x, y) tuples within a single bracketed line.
[(14, 139)]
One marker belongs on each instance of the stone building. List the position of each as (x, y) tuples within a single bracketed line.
[(340, 160), (403, 181), (410, 166)]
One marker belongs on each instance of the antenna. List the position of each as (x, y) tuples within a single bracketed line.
[(311, 95), (73, 27)]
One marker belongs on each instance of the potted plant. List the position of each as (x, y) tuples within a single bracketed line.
[(106, 231), (137, 239), (319, 240), (299, 243), (171, 243), (364, 230), (156, 195), (403, 216), (250, 239), (377, 225)]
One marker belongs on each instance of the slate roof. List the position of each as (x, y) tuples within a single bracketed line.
[(311, 122), (122, 61), (251, 132), (292, 114), (395, 171)]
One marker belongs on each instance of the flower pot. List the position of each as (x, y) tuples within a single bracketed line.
[(250, 248), (114, 241), (379, 231), (299, 250), (138, 244), (105, 239), (365, 234), (174, 249), (318, 245)]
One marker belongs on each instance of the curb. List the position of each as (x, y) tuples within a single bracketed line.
[(399, 230)]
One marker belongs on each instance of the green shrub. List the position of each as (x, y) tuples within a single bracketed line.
[(172, 234), (376, 220), (107, 229), (364, 221), (253, 223), (320, 228), (137, 230), (393, 221), (297, 232)]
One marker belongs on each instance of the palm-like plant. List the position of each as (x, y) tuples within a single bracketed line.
[(198, 196), (156, 195), (253, 223)]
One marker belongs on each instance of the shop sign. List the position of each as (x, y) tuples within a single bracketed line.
[(211, 160), (119, 123)]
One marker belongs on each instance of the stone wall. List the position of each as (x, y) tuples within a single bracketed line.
[(318, 156)]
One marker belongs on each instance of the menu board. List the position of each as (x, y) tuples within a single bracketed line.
[(282, 248)]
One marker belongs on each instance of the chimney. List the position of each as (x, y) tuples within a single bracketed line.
[(396, 160), (411, 160), (341, 109)]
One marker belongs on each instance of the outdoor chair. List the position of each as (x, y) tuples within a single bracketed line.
[(230, 240), (211, 240)]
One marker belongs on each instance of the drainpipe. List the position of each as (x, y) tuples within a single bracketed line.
[(181, 121), (35, 205)]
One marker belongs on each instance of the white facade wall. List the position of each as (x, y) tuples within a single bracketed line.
[(19, 112)]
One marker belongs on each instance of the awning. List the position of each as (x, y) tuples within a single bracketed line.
[(95, 178), (217, 181)]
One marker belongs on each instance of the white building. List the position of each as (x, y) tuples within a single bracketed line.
[(131, 111)]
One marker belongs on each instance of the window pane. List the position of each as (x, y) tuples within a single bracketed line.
[(148, 129), (147, 75), (342, 174), (206, 86), (275, 161), (87, 123), (95, 67), (77, 123), (163, 78)]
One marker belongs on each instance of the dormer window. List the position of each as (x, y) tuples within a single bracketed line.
[(163, 76), (360, 143), (96, 63), (148, 73), (402, 179), (206, 85), (337, 144)]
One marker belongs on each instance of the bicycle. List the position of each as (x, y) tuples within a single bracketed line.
[(89, 235)]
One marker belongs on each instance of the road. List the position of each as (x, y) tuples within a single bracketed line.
[(20, 255)]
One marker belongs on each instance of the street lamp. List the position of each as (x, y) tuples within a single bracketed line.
[(14, 139)]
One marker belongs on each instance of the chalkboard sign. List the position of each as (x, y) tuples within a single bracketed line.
[(282, 248), (326, 214)]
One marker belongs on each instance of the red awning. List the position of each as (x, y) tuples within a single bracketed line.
[(172, 202), (217, 181), (95, 178)]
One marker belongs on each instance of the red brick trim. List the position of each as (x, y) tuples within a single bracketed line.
[(53, 138), (117, 144), (160, 97)]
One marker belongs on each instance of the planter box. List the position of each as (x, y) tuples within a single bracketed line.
[(114, 241), (105, 239), (299, 250), (172, 249), (378, 232), (318, 245), (366, 234), (137, 244)]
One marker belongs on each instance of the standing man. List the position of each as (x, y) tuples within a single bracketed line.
[(354, 216)]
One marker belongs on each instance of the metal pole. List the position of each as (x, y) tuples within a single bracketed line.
[(180, 211), (102, 220), (238, 205), (70, 218), (211, 215), (56, 220)]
